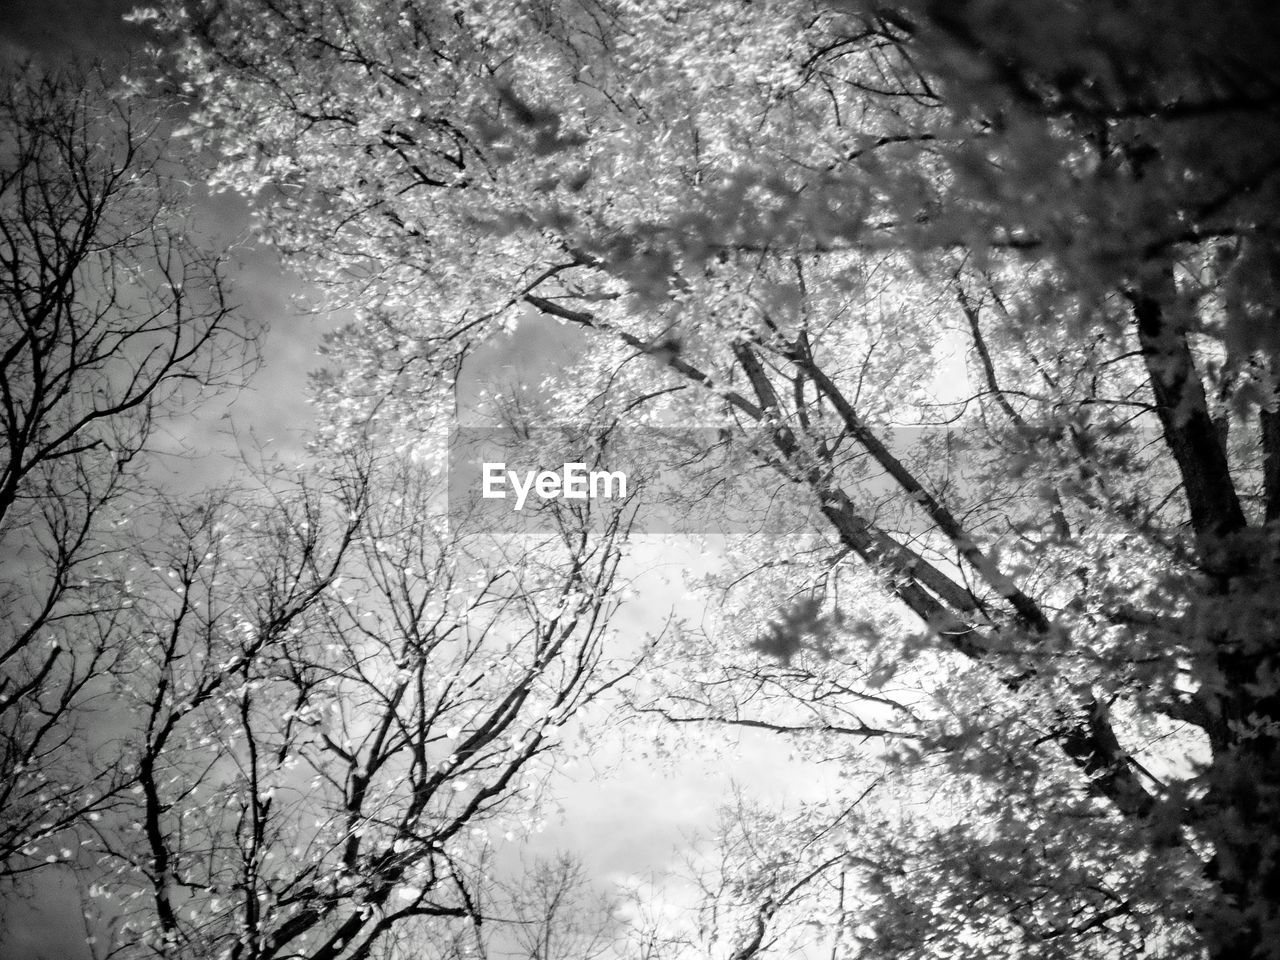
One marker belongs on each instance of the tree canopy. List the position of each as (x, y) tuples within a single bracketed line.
[(988, 288), (275, 717), (785, 206)]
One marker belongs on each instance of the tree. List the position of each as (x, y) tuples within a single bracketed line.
[(291, 716), (339, 706), (554, 915), (112, 319), (792, 211)]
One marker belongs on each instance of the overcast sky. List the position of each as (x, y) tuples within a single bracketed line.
[(54, 30)]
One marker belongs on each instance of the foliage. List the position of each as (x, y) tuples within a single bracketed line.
[(793, 210)]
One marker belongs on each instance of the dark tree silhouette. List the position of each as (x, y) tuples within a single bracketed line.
[(112, 318)]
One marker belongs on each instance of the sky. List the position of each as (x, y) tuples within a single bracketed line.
[(624, 814), (53, 30)]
